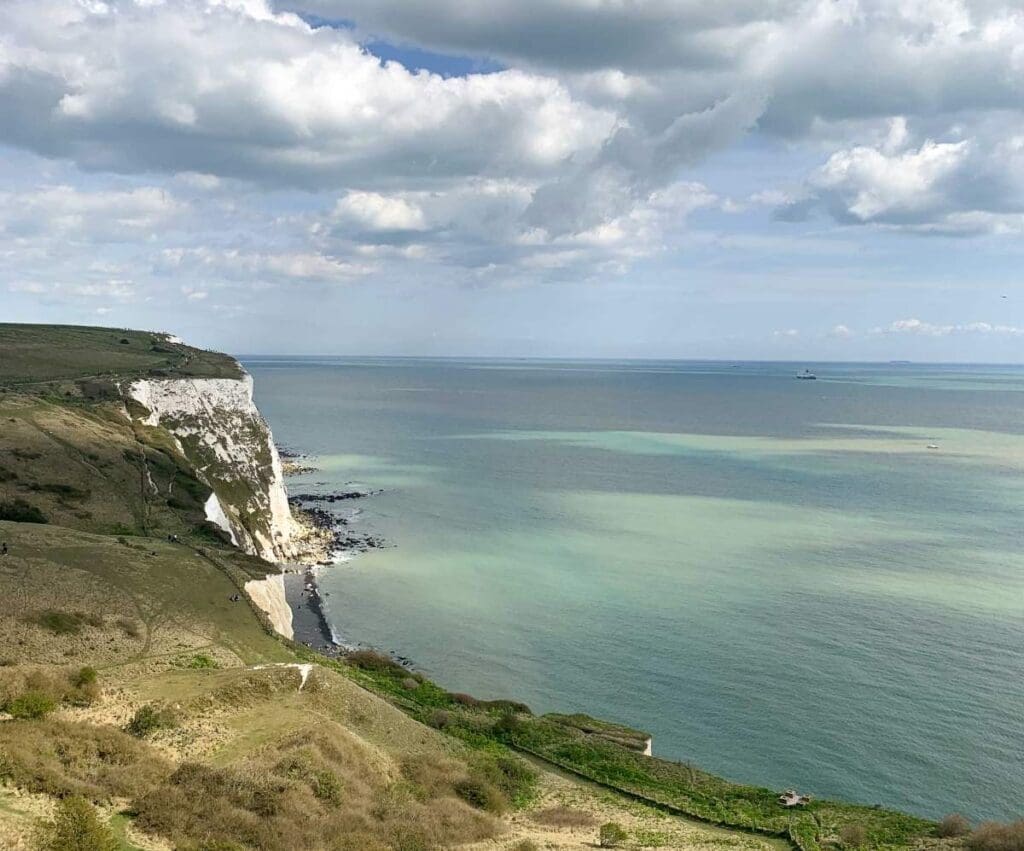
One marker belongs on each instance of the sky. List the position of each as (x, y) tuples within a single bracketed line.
[(744, 179)]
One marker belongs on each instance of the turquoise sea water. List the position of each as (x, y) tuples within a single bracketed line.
[(777, 578)]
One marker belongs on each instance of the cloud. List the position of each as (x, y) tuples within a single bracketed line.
[(231, 155), (967, 187), (236, 90), (786, 334), (376, 212), (119, 289), (927, 329), (258, 267), (818, 61), (64, 212), (840, 332), (484, 226), (687, 79)]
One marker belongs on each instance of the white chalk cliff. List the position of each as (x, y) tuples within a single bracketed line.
[(269, 595), (229, 445)]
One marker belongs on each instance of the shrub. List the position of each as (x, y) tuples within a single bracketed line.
[(561, 816), (201, 662), (611, 835), (409, 837), (322, 782), (84, 677), (76, 827), (63, 758), (21, 511), (993, 836), (506, 726), (370, 660), (148, 719), (60, 623), (953, 825), (85, 687), (440, 719), (479, 792), (22, 687), (853, 835), (129, 627), (525, 845), (31, 704), (511, 775)]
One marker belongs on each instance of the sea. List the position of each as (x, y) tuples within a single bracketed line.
[(815, 585)]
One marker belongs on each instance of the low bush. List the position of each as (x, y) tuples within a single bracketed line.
[(32, 692), (506, 726), (430, 776), (31, 704), (129, 627), (953, 825), (440, 719), (61, 622), (511, 775), (611, 835), (77, 827), (305, 767), (201, 662), (20, 511), (84, 677), (319, 785), (370, 660), (562, 816), (479, 792), (853, 835), (63, 758), (150, 718), (994, 836)]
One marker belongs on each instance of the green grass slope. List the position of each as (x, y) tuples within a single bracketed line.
[(36, 353)]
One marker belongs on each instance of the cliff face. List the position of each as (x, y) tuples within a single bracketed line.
[(227, 442)]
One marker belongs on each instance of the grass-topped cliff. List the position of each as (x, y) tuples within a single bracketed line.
[(45, 353), (145, 704)]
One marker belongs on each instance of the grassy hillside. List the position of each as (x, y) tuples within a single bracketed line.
[(36, 353), (145, 704)]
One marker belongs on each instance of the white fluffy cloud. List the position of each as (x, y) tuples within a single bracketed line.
[(928, 329), (962, 187), (65, 212), (690, 78), (233, 89)]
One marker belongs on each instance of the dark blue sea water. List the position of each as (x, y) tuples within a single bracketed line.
[(777, 578)]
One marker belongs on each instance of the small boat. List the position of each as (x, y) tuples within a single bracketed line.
[(806, 375), (932, 446)]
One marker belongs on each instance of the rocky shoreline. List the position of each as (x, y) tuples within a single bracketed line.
[(334, 541)]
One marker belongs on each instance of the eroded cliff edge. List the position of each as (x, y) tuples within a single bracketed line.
[(219, 430)]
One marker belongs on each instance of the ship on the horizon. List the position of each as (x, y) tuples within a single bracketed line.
[(806, 375)]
